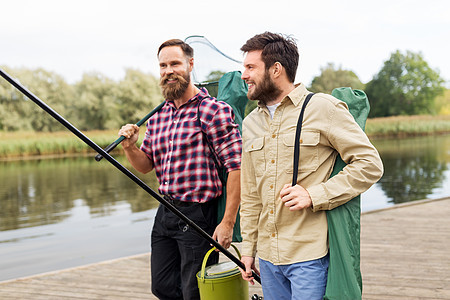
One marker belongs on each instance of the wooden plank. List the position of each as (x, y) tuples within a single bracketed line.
[(403, 251)]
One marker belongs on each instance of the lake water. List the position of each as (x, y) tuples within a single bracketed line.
[(66, 212)]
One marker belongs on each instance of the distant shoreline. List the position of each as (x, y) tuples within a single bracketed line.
[(26, 145)]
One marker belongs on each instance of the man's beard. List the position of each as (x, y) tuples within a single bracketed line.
[(173, 91), (265, 91)]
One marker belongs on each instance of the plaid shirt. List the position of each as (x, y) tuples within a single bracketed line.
[(181, 158)]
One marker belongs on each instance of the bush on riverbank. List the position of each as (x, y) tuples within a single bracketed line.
[(401, 126), (25, 144)]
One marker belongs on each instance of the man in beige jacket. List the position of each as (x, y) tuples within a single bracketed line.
[(287, 225)]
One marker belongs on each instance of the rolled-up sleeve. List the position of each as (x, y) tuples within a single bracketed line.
[(224, 135), (364, 166)]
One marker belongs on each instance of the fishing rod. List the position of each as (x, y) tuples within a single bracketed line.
[(124, 170), (114, 144)]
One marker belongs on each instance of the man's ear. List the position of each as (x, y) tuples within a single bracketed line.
[(191, 64), (277, 69)]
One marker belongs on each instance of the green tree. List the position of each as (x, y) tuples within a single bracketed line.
[(137, 94), (442, 103), (214, 76), (406, 85), (96, 104), (331, 78), (10, 100), (20, 113)]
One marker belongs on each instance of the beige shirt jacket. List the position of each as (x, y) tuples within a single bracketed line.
[(269, 228)]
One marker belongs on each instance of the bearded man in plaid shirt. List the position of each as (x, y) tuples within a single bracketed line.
[(175, 148)]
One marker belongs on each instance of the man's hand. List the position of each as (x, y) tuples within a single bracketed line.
[(131, 134), (138, 159), (224, 234), (224, 231), (295, 197), (249, 263)]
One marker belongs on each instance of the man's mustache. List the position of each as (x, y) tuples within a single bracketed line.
[(165, 78)]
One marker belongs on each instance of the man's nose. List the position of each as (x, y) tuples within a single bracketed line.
[(169, 70), (244, 75)]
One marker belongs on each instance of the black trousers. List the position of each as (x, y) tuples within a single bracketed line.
[(177, 251)]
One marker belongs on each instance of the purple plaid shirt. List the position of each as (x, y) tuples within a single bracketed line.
[(174, 143)]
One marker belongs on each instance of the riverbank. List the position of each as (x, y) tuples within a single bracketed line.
[(407, 126), (21, 145)]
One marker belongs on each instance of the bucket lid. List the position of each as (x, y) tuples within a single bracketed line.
[(222, 269)]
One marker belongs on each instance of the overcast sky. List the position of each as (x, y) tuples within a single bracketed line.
[(73, 37)]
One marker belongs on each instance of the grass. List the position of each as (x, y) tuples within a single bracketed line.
[(403, 126), (29, 144), (25, 144)]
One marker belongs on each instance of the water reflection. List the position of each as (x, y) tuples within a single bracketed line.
[(61, 213), (41, 192), (414, 167)]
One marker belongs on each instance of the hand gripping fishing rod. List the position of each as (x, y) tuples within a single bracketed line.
[(114, 144), (124, 170)]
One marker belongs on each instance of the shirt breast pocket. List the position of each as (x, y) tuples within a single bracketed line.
[(255, 148), (188, 133), (309, 151)]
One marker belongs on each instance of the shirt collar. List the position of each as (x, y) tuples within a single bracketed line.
[(202, 94), (296, 96)]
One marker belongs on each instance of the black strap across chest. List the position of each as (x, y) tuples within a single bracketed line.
[(297, 139), (210, 146)]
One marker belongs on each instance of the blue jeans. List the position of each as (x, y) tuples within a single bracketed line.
[(305, 280)]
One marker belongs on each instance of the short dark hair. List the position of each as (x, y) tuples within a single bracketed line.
[(187, 50), (275, 48)]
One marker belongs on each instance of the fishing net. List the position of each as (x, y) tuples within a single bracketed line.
[(210, 63), (220, 75)]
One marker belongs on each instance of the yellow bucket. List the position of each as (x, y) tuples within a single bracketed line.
[(222, 281)]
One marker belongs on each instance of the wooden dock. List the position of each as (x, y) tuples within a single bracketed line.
[(404, 251), (404, 255)]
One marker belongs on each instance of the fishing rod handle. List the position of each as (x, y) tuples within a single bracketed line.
[(114, 144)]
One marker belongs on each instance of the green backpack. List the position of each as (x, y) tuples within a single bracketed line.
[(344, 274), (230, 89)]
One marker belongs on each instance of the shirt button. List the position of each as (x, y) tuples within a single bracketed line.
[(273, 161), (274, 135), (271, 211), (273, 234), (165, 182), (301, 141), (271, 186)]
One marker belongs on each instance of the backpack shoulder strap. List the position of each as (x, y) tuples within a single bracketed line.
[(297, 138), (205, 136)]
